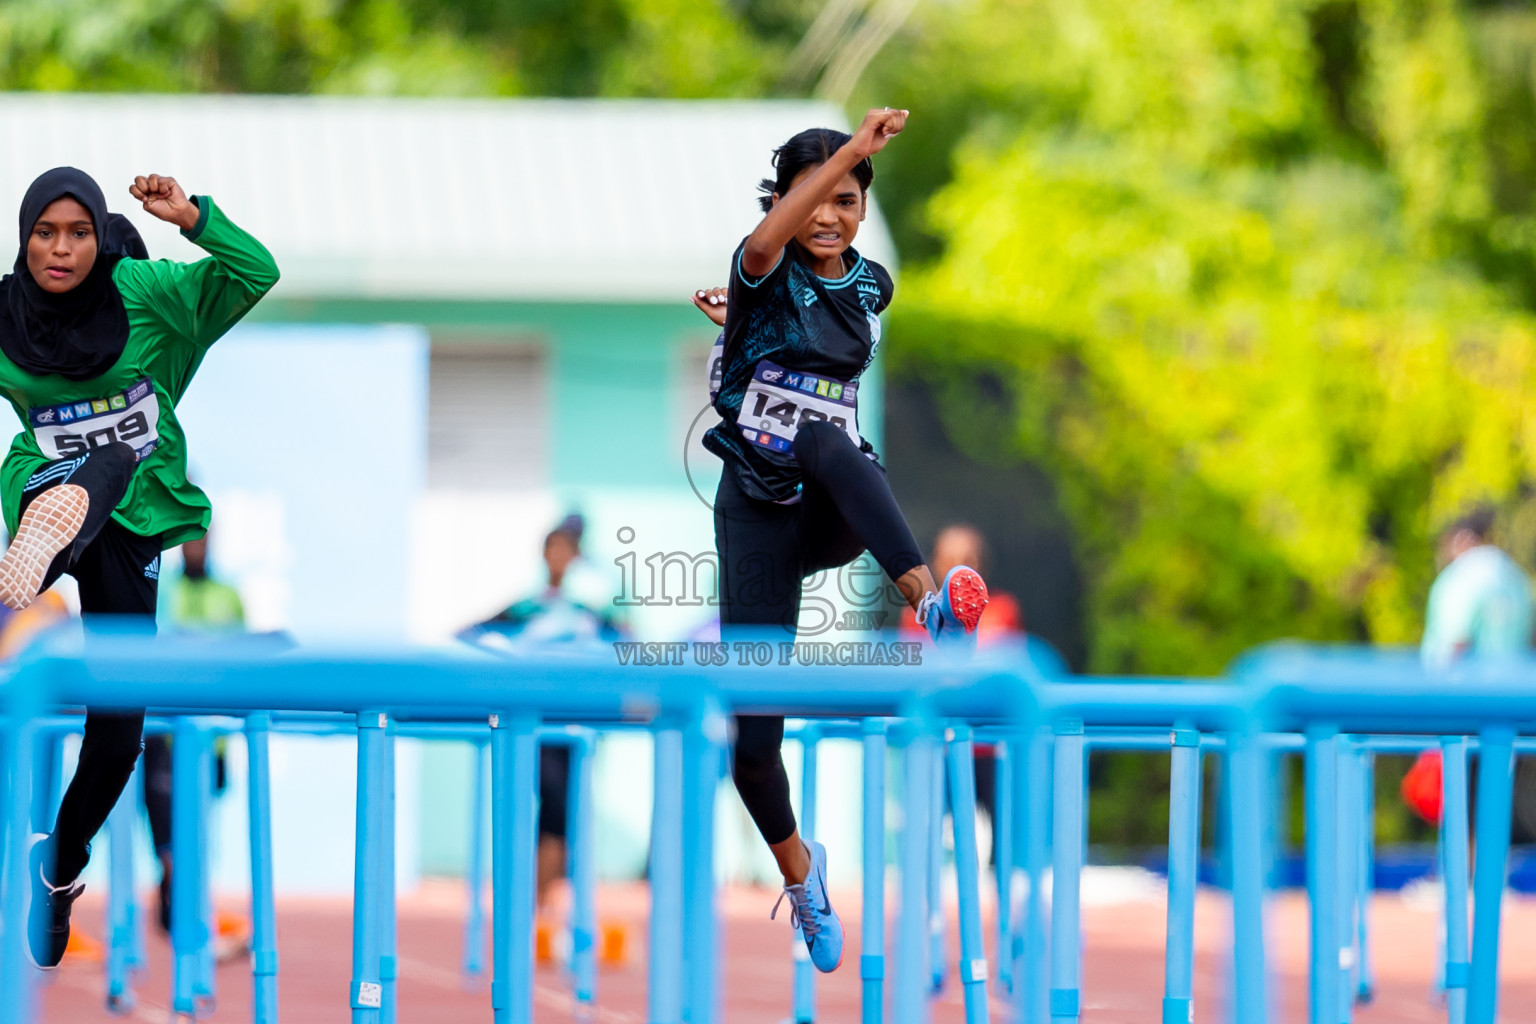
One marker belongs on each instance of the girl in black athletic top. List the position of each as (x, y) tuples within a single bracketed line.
[(802, 490)]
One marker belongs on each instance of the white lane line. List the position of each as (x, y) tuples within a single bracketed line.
[(544, 995)]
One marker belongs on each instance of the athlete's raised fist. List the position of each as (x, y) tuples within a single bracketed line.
[(878, 128), (163, 198), (712, 302)]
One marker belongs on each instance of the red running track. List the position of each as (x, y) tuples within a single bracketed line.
[(1123, 964)]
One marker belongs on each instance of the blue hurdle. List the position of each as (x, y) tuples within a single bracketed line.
[(804, 993), (1336, 704)]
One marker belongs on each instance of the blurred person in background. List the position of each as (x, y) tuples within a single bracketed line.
[(1480, 606), (575, 606), (197, 604), (963, 544), (98, 344), (194, 604), (802, 491)]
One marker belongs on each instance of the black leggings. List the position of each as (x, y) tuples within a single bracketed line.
[(766, 552), (156, 775), (118, 572)]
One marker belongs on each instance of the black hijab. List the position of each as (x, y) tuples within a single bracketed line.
[(80, 333)]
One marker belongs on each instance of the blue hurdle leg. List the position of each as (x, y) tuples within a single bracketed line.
[(204, 987), (666, 953), (188, 926), (1002, 856), (701, 780), (872, 930), (1246, 814), (804, 973), (1495, 794), (1365, 989), (911, 988), (514, 785), (1066, 873), (48, 782), (1454, 828), (367, 995), (1322, 874), (16, 974), (388, 938), (474, 879), (263, 909), (138, 957), (1346, 850), (936, 967), (580, 816), (120, 995), (1438, 986), (973, 954), (1183, 873), (1276, 841), (1029, 946)]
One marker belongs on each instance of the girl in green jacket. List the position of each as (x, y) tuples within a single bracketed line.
[(97, 345)]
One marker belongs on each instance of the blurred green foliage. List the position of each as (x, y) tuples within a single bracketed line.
[(398, 47), (1256, 284), (1253, 282), (1256, 280)]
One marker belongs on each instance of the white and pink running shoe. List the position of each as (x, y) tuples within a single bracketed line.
[(47, 527)]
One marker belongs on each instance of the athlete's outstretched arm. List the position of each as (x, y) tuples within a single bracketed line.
[(790, 212), (199, 300)]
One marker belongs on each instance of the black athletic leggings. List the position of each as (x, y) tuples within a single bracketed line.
[(118, 572), (766, 552)]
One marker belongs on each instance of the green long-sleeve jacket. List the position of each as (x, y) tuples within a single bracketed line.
[(175, 312)]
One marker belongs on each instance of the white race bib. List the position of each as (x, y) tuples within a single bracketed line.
[(779, 402), (131, 416)]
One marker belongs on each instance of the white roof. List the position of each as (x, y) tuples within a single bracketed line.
[(600, 200)]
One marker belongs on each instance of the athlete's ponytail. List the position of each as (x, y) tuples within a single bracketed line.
[(807, 149)]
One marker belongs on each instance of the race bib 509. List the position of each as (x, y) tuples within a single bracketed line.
[(131, 416)]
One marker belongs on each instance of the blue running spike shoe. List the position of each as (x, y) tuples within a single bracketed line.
[(953, 613), (810, 911)]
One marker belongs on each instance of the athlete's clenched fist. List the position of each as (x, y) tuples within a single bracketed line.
[(878, 128), (163, 198)]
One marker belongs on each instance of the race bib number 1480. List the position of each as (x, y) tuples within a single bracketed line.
[(779, 402), (132, 416)]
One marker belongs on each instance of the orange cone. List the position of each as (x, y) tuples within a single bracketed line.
[(543, 942), (83, 947), (613, 943)]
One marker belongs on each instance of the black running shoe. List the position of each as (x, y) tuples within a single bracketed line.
[(48, 917)]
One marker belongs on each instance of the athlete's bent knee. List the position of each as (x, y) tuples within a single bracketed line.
[(120, 452), (815, 441), (114, 462)]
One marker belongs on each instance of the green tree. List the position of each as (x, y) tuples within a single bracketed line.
[(682, 48), (1237, 268)]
